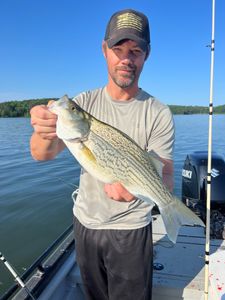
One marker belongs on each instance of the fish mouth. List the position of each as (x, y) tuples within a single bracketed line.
[(59, 104)]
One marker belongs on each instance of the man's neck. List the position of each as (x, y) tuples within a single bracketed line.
[(122, 94)]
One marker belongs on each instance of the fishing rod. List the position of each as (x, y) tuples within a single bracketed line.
[(209, 167), (16, 276)]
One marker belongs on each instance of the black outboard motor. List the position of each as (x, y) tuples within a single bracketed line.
[(194, 189)]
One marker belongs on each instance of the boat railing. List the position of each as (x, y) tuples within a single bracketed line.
[(44, 265)]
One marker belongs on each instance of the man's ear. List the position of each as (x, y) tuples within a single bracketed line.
[(148, 52), (104, 48)]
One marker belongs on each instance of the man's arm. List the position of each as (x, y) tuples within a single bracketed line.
[(167, 173), (44, 149), (44, 143)]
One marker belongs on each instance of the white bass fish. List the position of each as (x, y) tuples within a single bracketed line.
[(111, 156)]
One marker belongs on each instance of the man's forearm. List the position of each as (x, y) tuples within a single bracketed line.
[(44, 149), (168, 173)]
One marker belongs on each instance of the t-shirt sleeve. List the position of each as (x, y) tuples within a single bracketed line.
[(80, 99), (161, 140)]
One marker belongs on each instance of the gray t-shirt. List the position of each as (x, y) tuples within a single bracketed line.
[(146, 121)]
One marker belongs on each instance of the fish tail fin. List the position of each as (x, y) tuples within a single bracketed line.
[(177, 214)]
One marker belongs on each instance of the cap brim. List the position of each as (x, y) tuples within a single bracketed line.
[(115, 40)]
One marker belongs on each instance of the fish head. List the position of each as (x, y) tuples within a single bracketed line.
[(73, 122)]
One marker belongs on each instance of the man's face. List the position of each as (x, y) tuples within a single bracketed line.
[(125, 61)]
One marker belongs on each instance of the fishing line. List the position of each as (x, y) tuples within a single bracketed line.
[(15, 275), (67, 183), (209, 167), (75, 192)]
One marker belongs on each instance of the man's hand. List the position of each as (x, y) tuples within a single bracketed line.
[(43, 122), (117, 191), (44, 143)]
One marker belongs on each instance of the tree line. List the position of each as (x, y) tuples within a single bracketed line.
[(22, 108), (190, 110)]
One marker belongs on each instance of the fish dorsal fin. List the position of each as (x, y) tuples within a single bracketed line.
[(158, 165)]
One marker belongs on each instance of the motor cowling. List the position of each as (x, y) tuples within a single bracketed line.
[(194, 188)]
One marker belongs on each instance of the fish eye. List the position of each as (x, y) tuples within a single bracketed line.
[(73, 107)]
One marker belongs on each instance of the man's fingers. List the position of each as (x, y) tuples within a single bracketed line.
[(42, 112), (44, 122), (118, 192), (44, 129), (50, 102), (48, 136)]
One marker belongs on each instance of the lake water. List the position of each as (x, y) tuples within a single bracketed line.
[(35, 197)]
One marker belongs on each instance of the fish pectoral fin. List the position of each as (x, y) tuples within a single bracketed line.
[(87, 153)]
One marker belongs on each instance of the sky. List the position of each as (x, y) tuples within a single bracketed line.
[(49, 48)]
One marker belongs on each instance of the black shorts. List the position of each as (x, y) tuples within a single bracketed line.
[(115, 264)]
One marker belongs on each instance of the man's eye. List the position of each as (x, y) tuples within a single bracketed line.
[(137, 52), (116, 49)]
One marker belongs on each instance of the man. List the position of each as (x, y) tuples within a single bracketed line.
[(113, 228)]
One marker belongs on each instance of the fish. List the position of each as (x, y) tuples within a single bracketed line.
[(111, 156)]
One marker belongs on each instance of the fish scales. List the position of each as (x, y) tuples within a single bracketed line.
[(127, 159), (122, 166), (110, 155)]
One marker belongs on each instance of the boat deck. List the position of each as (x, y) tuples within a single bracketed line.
[(178, 269), (183, 273)]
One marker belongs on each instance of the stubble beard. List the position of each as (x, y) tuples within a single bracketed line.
[(125, 80)]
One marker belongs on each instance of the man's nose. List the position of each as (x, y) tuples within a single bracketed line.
[(127, 56)]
